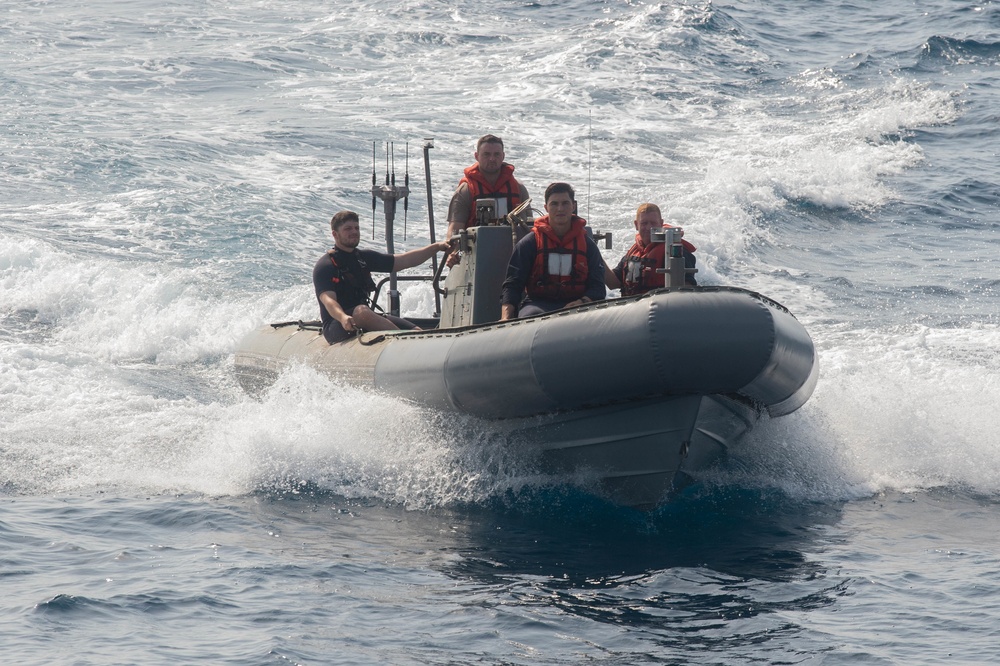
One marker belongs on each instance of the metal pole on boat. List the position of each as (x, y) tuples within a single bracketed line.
[(373, 189), (674, 270), (675, 261), (406, 184), (590, 149), (428, 144), (390, 193)]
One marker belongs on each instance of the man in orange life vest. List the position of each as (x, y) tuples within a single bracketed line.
[(636, 272), (559, 265), (490, 177), (343, 280)]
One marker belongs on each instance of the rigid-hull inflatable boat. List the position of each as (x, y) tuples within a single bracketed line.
[(638, 392)]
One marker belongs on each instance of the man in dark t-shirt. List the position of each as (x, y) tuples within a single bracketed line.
[(343, 280)]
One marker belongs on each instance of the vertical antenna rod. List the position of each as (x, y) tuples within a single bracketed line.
[(406, 184), (590, 149), (390, 194), (373, 190)]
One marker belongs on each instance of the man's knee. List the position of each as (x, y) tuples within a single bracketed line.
[(367, 318), (361, 311)]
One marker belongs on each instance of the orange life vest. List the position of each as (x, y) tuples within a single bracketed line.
[(641, 262), (506, 187), (560, 269)]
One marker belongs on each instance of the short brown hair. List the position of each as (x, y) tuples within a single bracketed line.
[(556, 188), (342, 218), (488, 138)]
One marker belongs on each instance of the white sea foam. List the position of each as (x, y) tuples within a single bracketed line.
[(80, 433), (899, 410), (352, 442), (134, 311)]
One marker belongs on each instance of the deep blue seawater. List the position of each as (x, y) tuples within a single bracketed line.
[(168, 173)]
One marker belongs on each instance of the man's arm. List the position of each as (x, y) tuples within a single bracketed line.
[(596, 269), (458, 215), (595, 272), (518, 272), (418, 256), (332, 305), (458, 210), (611, 278)]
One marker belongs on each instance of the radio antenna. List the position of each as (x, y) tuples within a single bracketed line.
[(390, 194), (406, 185), (590, 149), (373, 190)]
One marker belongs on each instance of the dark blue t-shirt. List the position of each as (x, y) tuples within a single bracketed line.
[(349, 276)]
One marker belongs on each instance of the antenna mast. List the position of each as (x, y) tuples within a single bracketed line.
[(389, 193), (373, 190), (406, 185), (590, 149)]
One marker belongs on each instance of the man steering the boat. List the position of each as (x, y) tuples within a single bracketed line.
[(636, 273), (489, 178), (343, 280), (557, 266)]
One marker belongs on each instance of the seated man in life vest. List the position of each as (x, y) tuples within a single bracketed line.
[(557, 266), (489, 178), (636, 273), (343, 280)]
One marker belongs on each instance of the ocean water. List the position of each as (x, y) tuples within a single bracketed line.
[(168, 173)]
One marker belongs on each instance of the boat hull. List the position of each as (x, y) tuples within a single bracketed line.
[(640, 392), (639, 453)]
